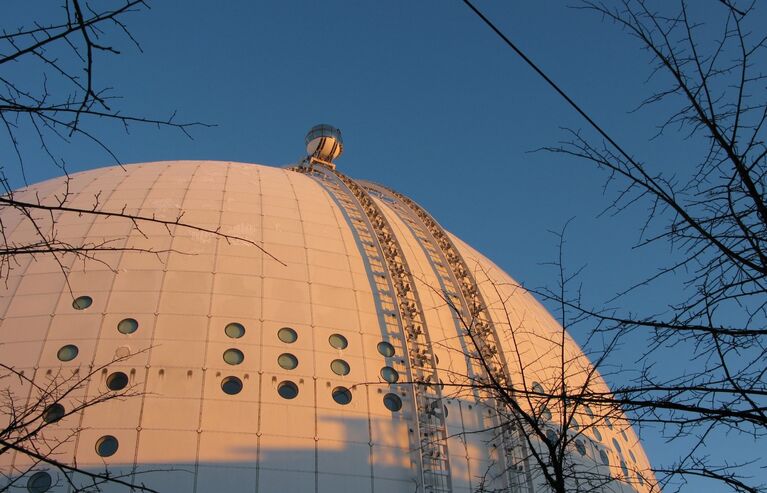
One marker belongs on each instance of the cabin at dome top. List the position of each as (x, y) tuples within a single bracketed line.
[(239, 327)]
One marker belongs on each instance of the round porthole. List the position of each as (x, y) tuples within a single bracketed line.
[(39, 482), (231, 385), (617, 446), (342, 395), (234, 330), (122, 352), (127, 326), (339, 367), (82, 302), (338, 341), (233, 356), (68, 352), (596, 433), (287, 335), (287, 390), (287, 361), (389, 374), (580, 447), (392, 402), (53, 413), (604, 457), (117, 381), (107, 445), (551, 436), (386, 349)]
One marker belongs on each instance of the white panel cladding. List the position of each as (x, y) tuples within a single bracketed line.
[(178, 428)]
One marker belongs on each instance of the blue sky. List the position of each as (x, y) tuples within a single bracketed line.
[(429, 101)]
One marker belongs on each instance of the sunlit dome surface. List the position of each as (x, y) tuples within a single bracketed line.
[(244, 374)]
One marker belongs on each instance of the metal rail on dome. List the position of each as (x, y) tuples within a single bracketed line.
[(430, 428), (468, 301)]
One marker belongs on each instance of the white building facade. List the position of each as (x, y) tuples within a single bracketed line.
[(344, 363)]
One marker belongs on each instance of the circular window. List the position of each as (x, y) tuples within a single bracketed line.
[(588, 410), (287, 335), (392, 402), (39, 482), (338, 341), (342, 395), (603, 456), (625, 469), (234, 330), (82, 302), (389, 374), (551, 436), (127, 326), (537, 388), (122, 352), (287, 390), (339, 367), (231, 385), (68, 352), (106, 446), (580, 447), (386, 349), (596, 433), (53, 413), (287, 361), (117, 381), (233, 356), (617, 446)]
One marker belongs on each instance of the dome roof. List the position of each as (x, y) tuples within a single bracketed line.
[(320, 370)]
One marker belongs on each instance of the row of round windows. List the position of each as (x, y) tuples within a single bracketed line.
[(575, 426), (234, 356), (236, 330), (603, 456), (288, 389)]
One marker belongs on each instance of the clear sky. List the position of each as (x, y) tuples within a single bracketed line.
[(430, 102)]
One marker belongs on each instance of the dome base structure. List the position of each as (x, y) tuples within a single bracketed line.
[(371, 353)]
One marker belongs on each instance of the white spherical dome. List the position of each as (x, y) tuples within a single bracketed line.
[(245, 373)]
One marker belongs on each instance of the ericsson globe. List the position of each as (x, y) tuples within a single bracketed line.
[(215, 326)]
